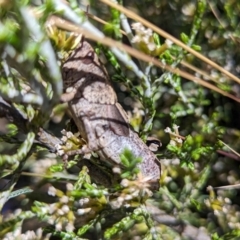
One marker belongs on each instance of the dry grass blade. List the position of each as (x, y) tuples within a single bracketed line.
[(99, 20), (66, 25), (199, 71), (232, 150), (217, 16), (228, 187), (164, 34), (185, 64)]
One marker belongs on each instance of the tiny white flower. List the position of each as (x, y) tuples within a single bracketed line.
[(58, 226), (83, 201), (69, 227), (179, 140), (64, 199), (63, 132), (52, 208), (65, 208), (125, 183), (151, 46), (128, 197), (69, 186), (167, 130), (60, 212), (51, 221), (116, 170), (64, 139), (52, 191), (175, 127), (69, 134), (168, 42), (136, 39), (83, 211), (173, 142), (60, 152), (149, 32)]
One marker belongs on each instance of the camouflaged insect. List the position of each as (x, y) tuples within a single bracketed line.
[(100, 119)]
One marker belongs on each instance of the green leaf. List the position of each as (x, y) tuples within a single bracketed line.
[(184, 38)]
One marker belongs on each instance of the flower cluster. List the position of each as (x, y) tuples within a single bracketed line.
[(176, 139)]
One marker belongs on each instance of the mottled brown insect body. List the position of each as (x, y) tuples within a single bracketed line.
[(99, 117)]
